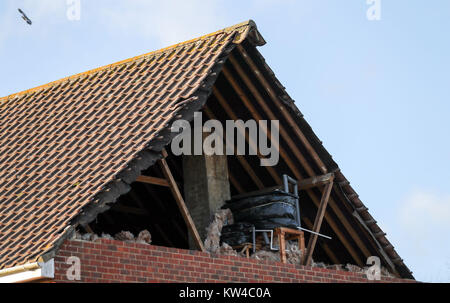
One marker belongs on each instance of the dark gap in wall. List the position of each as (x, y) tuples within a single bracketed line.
[(148, 207)]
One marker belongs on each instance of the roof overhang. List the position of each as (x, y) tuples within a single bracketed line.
[(30, 272)]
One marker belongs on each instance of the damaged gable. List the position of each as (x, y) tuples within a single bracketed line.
[(70, 149)]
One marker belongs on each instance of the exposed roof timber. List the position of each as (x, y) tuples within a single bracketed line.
[(318, 221), (180, 201), (249, 140), (285, 136), (282, 108), (230, 78), (234, 182), (325, 247), (223, 105), (315, 181), (153, 180)]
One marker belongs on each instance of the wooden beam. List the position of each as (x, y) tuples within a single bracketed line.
[(153, 181), (315, 181), (180, 202), (318, 222)]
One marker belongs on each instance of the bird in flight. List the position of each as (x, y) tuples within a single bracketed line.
[(24, 17)]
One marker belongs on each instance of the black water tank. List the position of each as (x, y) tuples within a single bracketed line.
[(265, 210)]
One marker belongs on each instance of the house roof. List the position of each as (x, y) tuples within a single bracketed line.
[(70, 148), (64, 143)]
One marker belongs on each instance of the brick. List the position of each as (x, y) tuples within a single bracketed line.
[(104, 262)]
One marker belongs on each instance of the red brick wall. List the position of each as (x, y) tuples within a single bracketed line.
[(115, 261)]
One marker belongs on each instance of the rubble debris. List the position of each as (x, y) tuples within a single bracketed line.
[(385, 272), (354, 268), (266, 255), (76, 235), (144, 237), (293, 253), (335, 267), (106, 236), (350, 268), (227, 250), (318, 264), (124, 236), (84, 237), (221, 218)]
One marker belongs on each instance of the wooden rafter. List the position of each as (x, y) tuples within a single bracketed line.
[(288, 160), (293, 125), (282, 108), (153, 181)]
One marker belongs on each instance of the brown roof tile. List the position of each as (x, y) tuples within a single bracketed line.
[(62, 143)]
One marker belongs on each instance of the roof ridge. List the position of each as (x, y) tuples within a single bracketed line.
[(248, 23)]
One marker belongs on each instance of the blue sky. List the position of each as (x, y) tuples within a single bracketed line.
[(376, 92)]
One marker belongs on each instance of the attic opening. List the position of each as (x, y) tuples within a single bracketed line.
[(148, 207)]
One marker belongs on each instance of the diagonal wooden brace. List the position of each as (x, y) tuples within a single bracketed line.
[(328, 180), (180, 201)]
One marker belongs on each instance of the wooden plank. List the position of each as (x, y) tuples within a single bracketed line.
[(301, 246), (282, 244), (180, 202), (315, 181), (153, 181), (328, 251), (318, 222)]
